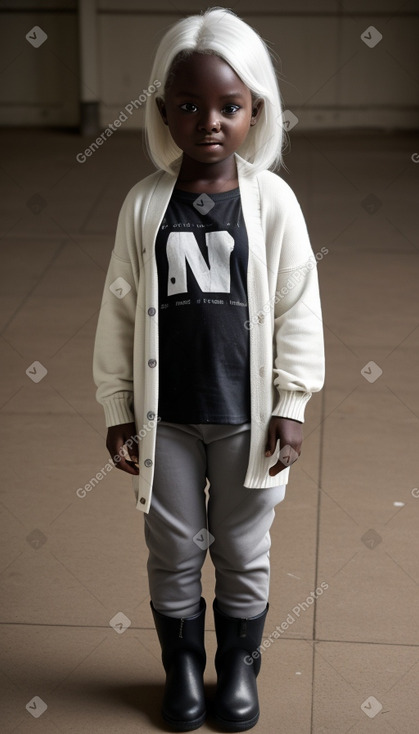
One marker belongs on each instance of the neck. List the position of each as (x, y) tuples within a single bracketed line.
[(210, 173)]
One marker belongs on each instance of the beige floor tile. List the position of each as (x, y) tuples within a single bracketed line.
[(363, 688), (369, 520)]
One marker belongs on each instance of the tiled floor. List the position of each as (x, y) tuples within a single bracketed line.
[(349, 659)]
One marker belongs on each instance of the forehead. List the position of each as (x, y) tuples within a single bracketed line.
[(203, 72)]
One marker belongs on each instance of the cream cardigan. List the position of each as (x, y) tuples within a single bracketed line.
[(285, 322)]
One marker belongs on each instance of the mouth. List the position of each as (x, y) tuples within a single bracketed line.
[(210, 144)]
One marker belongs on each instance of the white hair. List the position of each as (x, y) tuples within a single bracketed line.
[(221, 32)]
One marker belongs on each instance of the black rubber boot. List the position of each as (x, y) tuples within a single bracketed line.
[(184, 658), (236, 706)]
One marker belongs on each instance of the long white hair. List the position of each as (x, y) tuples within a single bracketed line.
[(221, 32)]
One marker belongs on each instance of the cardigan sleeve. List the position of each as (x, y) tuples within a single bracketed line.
[(113, 347), (299, 363)]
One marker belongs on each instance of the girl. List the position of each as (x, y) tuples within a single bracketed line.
[(209, 345)]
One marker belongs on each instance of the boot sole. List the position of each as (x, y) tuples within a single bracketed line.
[(184, 725), (236, 725)]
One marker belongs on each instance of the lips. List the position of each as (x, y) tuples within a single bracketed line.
[(209, 142)]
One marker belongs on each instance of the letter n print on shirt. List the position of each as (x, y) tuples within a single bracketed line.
[(182, 247)]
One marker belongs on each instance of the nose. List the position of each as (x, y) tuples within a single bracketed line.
[(209, 122)]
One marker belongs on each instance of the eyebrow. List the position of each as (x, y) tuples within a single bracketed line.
[(186, 93)]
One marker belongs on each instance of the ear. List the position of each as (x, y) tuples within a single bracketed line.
[(257, 106), (162, 109)]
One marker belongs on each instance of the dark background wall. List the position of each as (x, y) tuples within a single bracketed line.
[(332, 74)]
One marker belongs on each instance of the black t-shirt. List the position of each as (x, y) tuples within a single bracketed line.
[(202, 255)]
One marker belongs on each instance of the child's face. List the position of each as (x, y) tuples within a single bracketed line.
[(207, 101)]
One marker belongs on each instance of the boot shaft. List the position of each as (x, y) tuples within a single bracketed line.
[(239, 633), (182, 634)]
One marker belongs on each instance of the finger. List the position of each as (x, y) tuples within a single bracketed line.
[(133, 456), (288, 455), (276, 468), (271, 442), (130, 448), (127, 467), (122, 460), (133, 461)]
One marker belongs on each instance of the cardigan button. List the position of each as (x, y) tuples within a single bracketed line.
[(148, 462), (151, 311), (152, 363), (150, 415), (142, 500)]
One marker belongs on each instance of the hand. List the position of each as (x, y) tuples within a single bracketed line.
[(116, 439), (289, 433)]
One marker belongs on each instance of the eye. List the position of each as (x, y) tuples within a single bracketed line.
[(230, 109), (187, 107)]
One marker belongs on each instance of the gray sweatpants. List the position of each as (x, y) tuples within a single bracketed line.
[(229, 520)]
